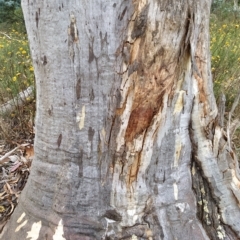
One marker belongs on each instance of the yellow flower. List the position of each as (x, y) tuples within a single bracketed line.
[(224, 25), (14, 78), (20, 49), (237, 26), (31, 69), (2, 209), (24, 52)]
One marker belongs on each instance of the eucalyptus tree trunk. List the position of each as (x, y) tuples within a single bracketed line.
[(235, 5), (128, 145)]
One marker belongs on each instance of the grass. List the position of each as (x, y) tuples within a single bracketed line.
[(16, 71), (225, 50), (16, 75), (225, 59)]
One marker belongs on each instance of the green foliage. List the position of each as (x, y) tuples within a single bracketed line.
[(225, 50), (224, 10), (16, 75), (10, 11), (16, 71)]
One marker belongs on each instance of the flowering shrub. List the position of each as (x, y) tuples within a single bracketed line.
[(225, 51), (16, 70), (16, 75)]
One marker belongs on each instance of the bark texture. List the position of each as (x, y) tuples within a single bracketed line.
[(128, 144)]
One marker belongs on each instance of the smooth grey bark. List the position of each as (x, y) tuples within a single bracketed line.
[(128, 144)]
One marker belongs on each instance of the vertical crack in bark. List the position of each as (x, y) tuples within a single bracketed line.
[(208, 211)]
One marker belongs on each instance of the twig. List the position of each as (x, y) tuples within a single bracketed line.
[(9, 36), (235, 103), (234, 126), (12, 151)]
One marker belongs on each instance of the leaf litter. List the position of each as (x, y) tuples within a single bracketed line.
[(14, 171)]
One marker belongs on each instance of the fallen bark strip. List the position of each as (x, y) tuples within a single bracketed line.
[(19, 100)]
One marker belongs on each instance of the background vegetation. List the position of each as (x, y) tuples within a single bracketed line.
[(10, 11), (225, 51), (16, 74)]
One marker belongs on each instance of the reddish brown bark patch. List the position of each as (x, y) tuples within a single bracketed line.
[(133, 170), (140, 119)]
